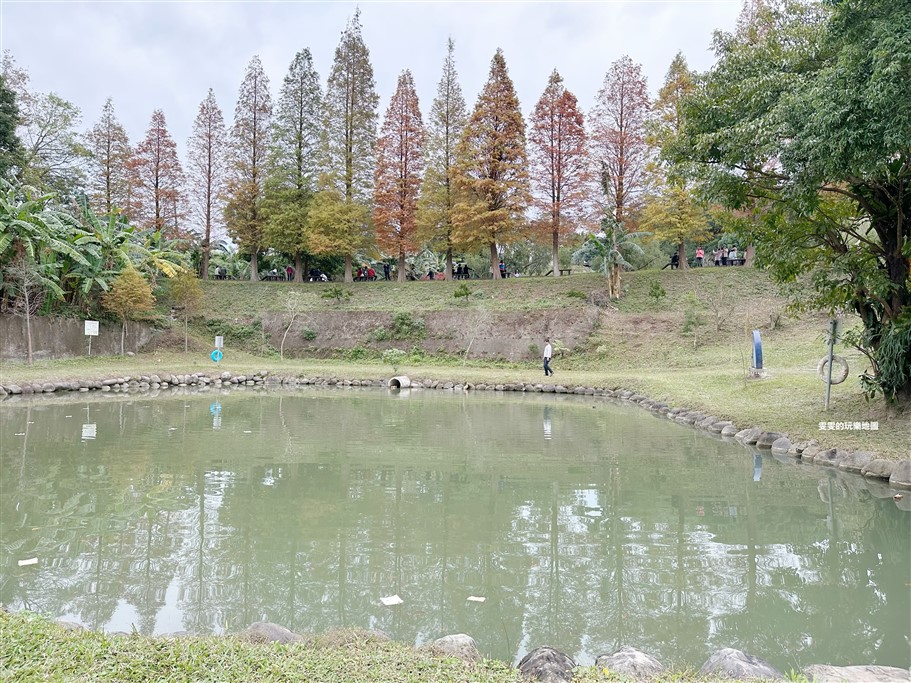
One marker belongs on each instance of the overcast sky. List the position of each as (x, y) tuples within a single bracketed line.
[(152, 54)]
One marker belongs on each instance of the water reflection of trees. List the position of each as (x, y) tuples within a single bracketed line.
[(306, 510)]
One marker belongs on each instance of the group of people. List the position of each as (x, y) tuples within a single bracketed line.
[(720, 257)]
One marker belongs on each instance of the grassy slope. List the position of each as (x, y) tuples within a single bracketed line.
[(33, 648), (639, 345)]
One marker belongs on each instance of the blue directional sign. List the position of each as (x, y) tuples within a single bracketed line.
[(217, 355)]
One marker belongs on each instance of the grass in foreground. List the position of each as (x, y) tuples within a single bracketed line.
[(33, 648)]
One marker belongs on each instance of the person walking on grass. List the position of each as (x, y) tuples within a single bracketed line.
[(548, 353)]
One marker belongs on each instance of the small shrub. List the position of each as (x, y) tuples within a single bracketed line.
[(404, 326), (534, 350), (338, 293), (692, 316), (461, 293), (381, 334), (307, 334), (357, 353), (394, 357), (656, 292), (576, 294)]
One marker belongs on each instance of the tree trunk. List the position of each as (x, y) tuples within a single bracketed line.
[(28, 320), (254, 267), (185, 320), (494, 261), (749, 255), (449, 263), (681, 256), (298, 267), (401, 267), (556, 254), (123, 334), (348, 276), (204, 262)]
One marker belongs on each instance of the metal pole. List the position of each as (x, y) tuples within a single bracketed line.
[(90, 345), (832, 324)]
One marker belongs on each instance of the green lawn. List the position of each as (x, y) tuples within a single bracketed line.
[(33, 648)]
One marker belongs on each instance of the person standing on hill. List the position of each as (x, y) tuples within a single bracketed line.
[(548, 353)]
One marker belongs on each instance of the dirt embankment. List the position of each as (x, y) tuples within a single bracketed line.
[(483, 334)]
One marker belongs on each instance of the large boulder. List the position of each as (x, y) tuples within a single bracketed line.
[(766, 439), (547, 665), (781, 446), (823, 673), (629, 661), (267, 632), (879, 468), (458, 645), (749, 436), (731, 663), (855, 462), (901, 475), (730, 430), (830, 457)]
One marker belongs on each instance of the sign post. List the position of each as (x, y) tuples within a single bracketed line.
[(91, 330), (833, 325), (218, 354)]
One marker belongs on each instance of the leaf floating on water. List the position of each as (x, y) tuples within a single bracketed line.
[(28, 562), (67, 416), (20, 433), (248, 431), (476, 598), (172, 429), (391, 600)]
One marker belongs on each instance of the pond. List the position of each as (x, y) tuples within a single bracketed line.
[(584, 524)]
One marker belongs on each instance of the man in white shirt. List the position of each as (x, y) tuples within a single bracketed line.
[(548, 352)]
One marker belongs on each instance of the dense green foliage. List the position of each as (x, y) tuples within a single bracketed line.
[(804, 124)]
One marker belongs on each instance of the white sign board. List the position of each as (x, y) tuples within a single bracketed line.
[(219, 342), (91, 328)]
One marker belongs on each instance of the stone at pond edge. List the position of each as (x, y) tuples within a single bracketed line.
[(830, 458), (901, 475), (823, 673), (547, 665), (631, 662), (781, 446), (458, 645), (69, 625), (730, 430), (855, 462), (748, 436), (878, 469), (766, 439), (731, 663), (267, 632)]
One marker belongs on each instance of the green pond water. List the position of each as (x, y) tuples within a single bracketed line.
[(585, 525)]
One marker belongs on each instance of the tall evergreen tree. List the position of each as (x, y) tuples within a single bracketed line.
[(491, 168), (158, 181), (10, 145), (618, 134), (349, 147), (109, 165), (207, 156), (294, 160), (249, 150), (399, 169), (560, 166), (448, 116)]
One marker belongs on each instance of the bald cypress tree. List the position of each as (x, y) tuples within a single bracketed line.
[(492, 169), (348, 149), (109, 164), (293, 161), (249, 149), (448, 116), (399, 169)]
